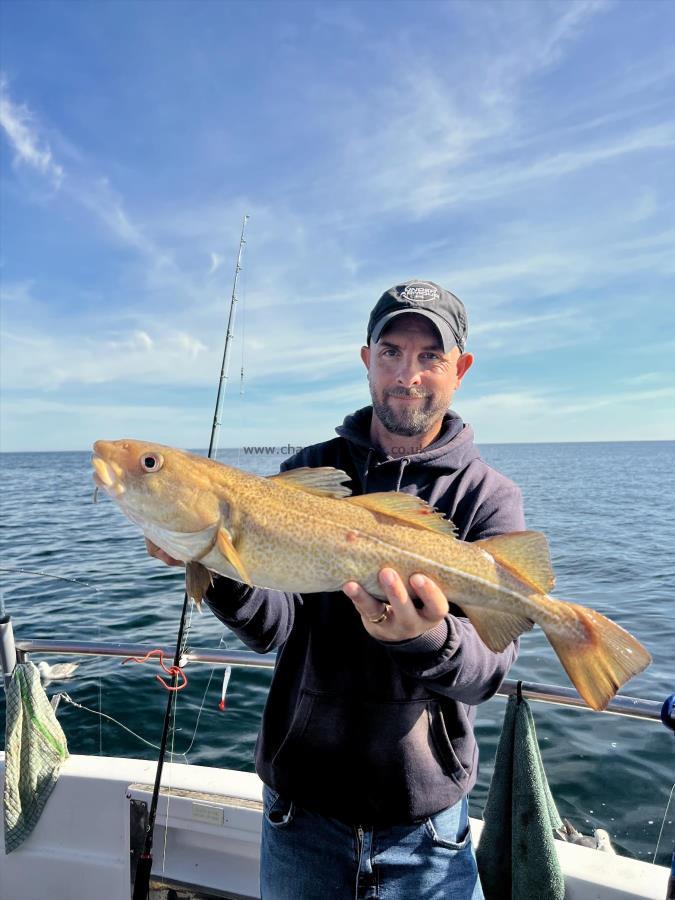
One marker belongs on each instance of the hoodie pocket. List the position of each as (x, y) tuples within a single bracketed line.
[(443, 744), (299, 722)]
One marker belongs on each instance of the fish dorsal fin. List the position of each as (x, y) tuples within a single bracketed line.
[(525, 554), (496, 629), (406, 509), (324, 481)]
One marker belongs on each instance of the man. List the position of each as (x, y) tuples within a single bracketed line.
[(366, 747)]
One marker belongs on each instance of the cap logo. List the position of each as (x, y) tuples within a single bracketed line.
[(420, 293)]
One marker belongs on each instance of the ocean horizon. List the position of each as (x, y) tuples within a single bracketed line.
[(297, 446)]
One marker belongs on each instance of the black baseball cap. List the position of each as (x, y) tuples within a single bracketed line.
[(427, 299)]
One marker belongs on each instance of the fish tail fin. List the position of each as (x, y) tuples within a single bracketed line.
[(598, 655)]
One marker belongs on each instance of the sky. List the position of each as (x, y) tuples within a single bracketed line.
[(521, 154)]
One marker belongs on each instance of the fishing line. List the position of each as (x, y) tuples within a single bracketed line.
[(184, 753), (99, 618), (68, 699), (665, 816), (49, 575), (100, 700), (201, 706), (168, 799)]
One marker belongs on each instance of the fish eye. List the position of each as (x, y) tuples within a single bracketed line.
[(151, 462)]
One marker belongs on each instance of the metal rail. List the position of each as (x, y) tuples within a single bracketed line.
[(621, 705), (245, 658)]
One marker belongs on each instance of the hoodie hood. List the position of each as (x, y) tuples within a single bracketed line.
[(453, 448), (452, 451)]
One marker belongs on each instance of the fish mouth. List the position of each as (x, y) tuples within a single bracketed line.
[(107, 475)]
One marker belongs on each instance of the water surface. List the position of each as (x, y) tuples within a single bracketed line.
[(608, 510)]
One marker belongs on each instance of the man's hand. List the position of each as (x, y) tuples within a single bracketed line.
[(403, 620), (155, 551)]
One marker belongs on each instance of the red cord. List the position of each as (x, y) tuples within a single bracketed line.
[(170, 670)]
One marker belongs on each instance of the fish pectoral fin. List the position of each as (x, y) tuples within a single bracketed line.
[(496, 629), (525, 554), (198, 580), (183, 545), (324, 481), (226, 546), (406, 509)]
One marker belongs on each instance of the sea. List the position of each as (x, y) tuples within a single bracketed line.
[(608, 510)]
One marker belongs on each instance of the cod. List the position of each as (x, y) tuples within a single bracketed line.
[(301, 531)]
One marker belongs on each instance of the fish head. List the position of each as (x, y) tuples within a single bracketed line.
[(157, 486)]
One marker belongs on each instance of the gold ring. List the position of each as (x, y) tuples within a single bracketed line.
[(379, 618)]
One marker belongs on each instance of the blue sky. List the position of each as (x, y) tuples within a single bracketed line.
[(519, 153)]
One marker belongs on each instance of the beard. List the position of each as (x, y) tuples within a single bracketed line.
[(409, 421)]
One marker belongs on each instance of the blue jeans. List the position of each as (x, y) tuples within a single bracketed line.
[(307, 856)]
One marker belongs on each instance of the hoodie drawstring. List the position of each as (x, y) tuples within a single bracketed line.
[(404, 463), (365, 470)]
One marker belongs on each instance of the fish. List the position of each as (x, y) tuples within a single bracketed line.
[(302, 531)]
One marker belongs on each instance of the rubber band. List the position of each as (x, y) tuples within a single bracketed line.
[(170, 670)]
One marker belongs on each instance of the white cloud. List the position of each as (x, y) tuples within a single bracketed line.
[(645, 378), (165, 356), (645, 206), (493, 180), (622, 399), (138, 340), (98, 196), (216, 262), (514, 308), (93, 192), (526, 37), (425, 139), (539, 415), (347, 395), (18, 123), (87, 422)]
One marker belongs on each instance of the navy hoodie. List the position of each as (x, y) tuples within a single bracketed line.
[(368, 731)]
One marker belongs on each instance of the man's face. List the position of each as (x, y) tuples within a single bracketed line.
[(412, 381)]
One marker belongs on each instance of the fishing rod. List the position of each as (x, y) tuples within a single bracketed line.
[(224, 369), (144, 867)]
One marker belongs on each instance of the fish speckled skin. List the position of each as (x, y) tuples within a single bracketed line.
[(301, 532)]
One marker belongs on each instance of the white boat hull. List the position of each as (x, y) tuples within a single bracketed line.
[(207, 835)]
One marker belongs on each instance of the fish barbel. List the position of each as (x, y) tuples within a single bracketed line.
[(301, 531)]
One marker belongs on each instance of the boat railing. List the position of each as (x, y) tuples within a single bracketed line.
[(621, 705)]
